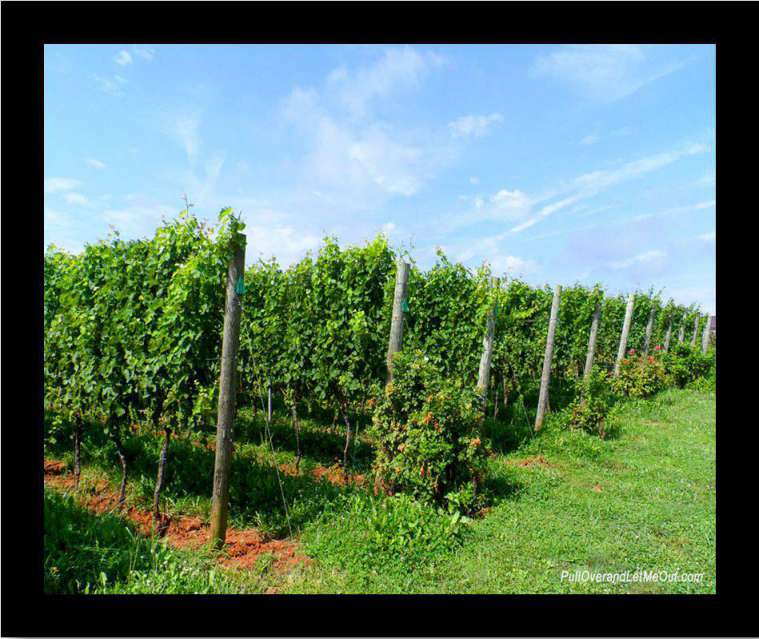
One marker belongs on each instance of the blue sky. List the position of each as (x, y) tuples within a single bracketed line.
[(557, 164)]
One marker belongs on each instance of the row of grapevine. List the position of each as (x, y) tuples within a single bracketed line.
[(133, 330)]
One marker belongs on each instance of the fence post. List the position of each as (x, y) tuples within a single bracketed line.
[(695, 331), (625, 333), (545, 378), (483, 378), (668, 335), (649, 330), (592, 341), (227, 395), (396, 323), (707, 334)]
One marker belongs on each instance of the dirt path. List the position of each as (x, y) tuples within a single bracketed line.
[(243, 547)]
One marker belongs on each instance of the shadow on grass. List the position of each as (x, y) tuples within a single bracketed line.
[(319, 443)]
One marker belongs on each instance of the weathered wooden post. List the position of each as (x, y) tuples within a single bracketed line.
[(625, 333), (707, 334), (681, 334), (649, 331), (668, 335), (695, 331), (227, 393), (545, 378), (396, 323), (483, 378), (592, 341)]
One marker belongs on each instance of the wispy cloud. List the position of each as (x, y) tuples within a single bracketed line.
[(146, 53), (590, 139), (709, 238), (113, 85), (591, 184), (76, 198), (397, 69), (95, 164), (185, 130), (603, 72), (473, 125), (59, 184), (640, 258), (123, 58), (357, 159)]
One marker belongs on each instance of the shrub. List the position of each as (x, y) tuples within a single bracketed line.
[(684, 364), (640, 376), (427, 434), (594, 400)]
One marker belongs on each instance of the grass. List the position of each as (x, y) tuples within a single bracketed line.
[(562, 502)]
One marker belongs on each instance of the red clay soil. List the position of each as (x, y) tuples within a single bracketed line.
[(242, 549), (333, 474)]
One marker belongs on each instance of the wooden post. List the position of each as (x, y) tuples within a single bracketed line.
[(668, 335), (707, 334), (545, 378), (396, 325), (592, 341), (483, 378), (227, 396), (649, 330), (625, 333), (695, 331), (681, 334)]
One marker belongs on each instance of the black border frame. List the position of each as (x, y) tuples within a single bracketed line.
[(27, 612)]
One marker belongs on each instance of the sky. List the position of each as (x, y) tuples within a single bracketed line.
[(556, 164)]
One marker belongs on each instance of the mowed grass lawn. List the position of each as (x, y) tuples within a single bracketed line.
[(643, 499)]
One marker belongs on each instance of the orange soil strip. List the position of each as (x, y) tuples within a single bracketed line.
[(243, 547)]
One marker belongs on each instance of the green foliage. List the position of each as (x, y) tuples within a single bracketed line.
[(684, 364), (426, 430), (640, 376), (590, 409)]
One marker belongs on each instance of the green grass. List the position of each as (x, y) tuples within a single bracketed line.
[(642, 499), (655, 511)]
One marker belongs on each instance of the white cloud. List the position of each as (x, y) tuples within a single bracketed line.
[(512, 203), (76, 199), (185, 131), (473, 125), (123, 58), (589, 139), (95, 164), (59, 184), (474, 180), (138, 220), (388, 228), (602, 72), (146, 53), (590, 184), (512, 265), (641, 258), (54, 217), (112, 85), (356, 162), (397, 69), (286, 243), (709, 238)]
